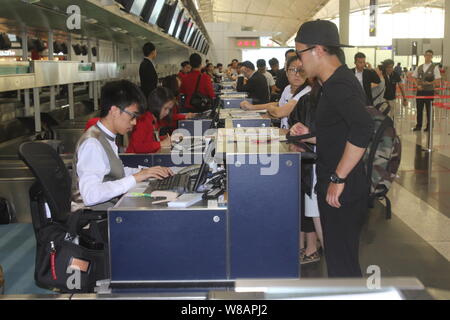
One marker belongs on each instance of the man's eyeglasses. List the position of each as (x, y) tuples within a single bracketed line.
[(299, 52), (131, 114), (294, 71)]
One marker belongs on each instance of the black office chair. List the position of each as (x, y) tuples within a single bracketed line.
[(64, 239)]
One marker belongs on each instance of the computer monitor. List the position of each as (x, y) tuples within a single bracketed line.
[(137, 6), (190, 36), (204, 168), (147, 10), (5, 43), (197, 42), (194, 38), (181, 25), (166, 15), (159, 4), (84, 50), (184, 28), (188, 31), (175, 20), (77, 49)]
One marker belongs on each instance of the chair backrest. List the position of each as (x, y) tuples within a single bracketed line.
[(53, 176)]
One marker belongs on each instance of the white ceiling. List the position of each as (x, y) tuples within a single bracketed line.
[(286, 16), (283, 16)]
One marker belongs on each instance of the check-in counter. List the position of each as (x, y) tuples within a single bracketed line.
[(254, 235)]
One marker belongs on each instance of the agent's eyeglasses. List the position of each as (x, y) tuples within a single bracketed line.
[(294, 71), (131, 114), (299, 52)]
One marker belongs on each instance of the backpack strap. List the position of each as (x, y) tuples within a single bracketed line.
[(198, 83)]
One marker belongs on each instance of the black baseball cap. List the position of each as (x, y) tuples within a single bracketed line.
[(319, 32)]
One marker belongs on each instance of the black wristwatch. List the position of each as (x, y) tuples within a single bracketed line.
[(335, 179)]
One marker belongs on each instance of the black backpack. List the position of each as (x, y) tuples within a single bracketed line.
[(199, 101), (67, 260), (382, 158)]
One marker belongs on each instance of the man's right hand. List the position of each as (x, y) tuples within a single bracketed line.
[(153, 172), (299, 129), (245, 105)]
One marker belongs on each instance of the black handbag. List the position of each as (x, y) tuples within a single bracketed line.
[(199, 101)]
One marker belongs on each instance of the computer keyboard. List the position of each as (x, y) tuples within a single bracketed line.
[(178, 183)]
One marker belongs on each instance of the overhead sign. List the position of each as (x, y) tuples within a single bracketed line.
[(373, 18), (248, 43)]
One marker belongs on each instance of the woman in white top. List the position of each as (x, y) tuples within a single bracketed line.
[(298, 87)]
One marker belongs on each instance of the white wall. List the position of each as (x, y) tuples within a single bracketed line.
[(222, 49)]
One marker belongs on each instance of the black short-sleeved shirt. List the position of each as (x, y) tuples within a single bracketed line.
[(342, 117), (391, 85)]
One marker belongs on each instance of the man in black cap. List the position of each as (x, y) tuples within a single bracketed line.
[(256, 85), (343, 131)]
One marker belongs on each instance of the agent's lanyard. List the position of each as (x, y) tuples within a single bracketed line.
[(156, 132)]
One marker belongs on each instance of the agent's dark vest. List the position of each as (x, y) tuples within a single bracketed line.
[(117, 170), (424, 75)]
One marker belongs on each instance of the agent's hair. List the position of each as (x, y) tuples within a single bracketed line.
[(274, 62), (429, 51), (171, 83), (122, 94), (157, 99), (360, 55), (184, 64), (290, 61), (148, 48), (195, 60), (288, 51)]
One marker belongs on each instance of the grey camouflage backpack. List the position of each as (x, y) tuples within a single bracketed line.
[(382, 158)]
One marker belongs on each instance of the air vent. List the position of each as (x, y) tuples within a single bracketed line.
[(246, 28)]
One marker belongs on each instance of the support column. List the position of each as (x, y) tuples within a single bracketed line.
[(37, 111), (446, 46), (344, 21), (71, 102), (50, 58), (95, 86), (26, 93)]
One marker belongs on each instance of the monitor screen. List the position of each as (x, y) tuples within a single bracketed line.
[(176, 18), (156, 11), (184, 28), (200, 44), (208, 155), (137, 7), (188, 31), (197, 41), (192, 38), (166, 15), (189, 36), (180, 25)]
